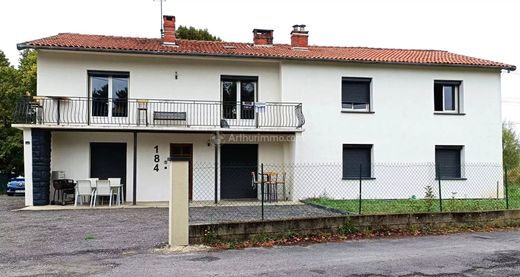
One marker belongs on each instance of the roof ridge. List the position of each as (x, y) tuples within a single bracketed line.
[(108, 36), (380, 48), (248, 43)]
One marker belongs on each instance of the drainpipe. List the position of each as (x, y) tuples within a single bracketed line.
[(217, 142), (134, 191)]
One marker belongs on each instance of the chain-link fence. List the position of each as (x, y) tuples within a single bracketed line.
[(250, 192)]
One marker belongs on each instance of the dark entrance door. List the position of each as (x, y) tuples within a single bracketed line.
[(237, 162), (184, 151), (108, 160)]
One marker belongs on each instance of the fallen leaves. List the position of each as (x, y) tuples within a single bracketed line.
[(280, 240)]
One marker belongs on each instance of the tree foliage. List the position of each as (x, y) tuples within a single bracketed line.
[(510, 147), (4, 62), (27, 72), (14, 83), (192, 33)]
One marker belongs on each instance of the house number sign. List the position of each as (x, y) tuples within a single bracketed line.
[(156, 158)]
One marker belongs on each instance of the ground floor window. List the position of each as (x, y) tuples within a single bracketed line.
[(448, 161), (357, 161)]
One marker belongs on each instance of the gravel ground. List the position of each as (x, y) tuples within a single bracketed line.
[(71, 242), (226, 214)]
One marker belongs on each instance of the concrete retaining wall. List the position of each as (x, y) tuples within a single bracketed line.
[(245, 230)]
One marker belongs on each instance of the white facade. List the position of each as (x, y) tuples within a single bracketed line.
[(402, 128)]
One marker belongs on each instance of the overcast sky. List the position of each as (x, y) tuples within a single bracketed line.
[(485, 29)]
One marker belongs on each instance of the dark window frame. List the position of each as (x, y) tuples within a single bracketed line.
[(246, 112), (107, 74), (349, 173), (449, 172), (358, 80), (438, 95)]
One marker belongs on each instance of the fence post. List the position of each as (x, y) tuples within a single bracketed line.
[(360, 186), (440, 187), (262, 188), (506, 188), (178, 212)]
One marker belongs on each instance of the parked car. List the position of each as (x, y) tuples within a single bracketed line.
[(16, 186)]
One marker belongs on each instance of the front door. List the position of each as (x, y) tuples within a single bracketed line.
[(237, 162), (178, 150), (108, 160)]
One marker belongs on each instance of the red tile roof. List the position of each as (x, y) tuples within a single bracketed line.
[(98, 43)]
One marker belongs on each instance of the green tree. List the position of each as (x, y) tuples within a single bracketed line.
[(192, 33), (510, 146), (9, 91), (4, 62), (27, 72), (11, 151), (14, 83)]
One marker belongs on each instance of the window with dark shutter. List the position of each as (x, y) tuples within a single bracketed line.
[(357, 158), (355, 94), (447, 161)]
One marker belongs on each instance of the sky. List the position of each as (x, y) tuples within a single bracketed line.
[(481, 28)]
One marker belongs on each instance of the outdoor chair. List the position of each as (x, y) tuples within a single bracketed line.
[(93, 182), (117, 188), (103, 189), (282, 182), (272, 186), (83, 188), (254, 182)]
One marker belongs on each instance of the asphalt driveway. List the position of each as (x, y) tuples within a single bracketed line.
[(471, 254)]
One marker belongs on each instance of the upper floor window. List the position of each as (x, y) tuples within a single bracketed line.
[(357, 161), (109, 92), (447, 96), (355, 94), (448, 161), (238, 96)]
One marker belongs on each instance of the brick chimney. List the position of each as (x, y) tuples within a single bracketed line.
[(168, 32), (263, 37), (299, 37)]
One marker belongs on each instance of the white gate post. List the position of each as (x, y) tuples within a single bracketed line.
[(178, 231)]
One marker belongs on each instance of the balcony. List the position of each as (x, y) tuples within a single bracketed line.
[(136, 114)]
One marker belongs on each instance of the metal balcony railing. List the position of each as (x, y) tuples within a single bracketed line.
[(78, 111)]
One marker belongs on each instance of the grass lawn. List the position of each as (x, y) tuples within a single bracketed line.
[(386, 206)]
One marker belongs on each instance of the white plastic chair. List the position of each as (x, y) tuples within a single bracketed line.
[(83, 188), (254, 182), (115, 184), (103, 189)]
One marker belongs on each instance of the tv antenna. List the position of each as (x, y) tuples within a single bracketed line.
[(161, 23)]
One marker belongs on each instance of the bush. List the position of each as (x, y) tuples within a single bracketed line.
[(513, 176)]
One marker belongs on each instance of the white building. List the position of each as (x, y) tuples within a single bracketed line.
[(119, 107)]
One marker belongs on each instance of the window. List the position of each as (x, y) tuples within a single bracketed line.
[(447, 96), (238, 97), (448, 161), (109, 92), (355, 94), (357, 158)]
